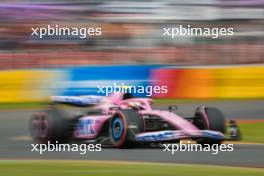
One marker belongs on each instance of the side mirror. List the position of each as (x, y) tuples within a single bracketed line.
[(114, 108), (172, 108)]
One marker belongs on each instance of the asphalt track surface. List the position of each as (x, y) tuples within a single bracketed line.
[(15, 141)]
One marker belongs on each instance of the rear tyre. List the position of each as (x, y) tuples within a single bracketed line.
[(123, 127), (50, 125)]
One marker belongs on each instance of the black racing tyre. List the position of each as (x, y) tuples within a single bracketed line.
[(216, 119), (216, 122), (123, 127), (51, 125), (127, 96)]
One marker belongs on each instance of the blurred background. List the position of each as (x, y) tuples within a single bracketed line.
[(132, 50), (132, 35)]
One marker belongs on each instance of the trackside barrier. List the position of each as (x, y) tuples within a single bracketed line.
[(28, 85), (211, 82), (37, 85), (182, 82), (87, 80)]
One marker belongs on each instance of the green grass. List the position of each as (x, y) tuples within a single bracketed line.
[(165, 101), (252, 132), (97, 168), (168, 101), (30, 105), (173, 101), (24, 105)]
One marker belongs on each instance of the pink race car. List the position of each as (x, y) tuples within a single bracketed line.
[(122, 121)]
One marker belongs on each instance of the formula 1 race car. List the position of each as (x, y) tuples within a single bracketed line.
[(122, 121)]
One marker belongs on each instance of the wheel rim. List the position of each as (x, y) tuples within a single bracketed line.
[(40, 126), (117, 128)]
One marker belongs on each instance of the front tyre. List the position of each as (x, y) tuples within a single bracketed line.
[(214, 120), (124, 125)]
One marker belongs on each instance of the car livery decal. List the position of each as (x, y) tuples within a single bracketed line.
[(212, 134), (171, 135), (160, 136), (85, 128)]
